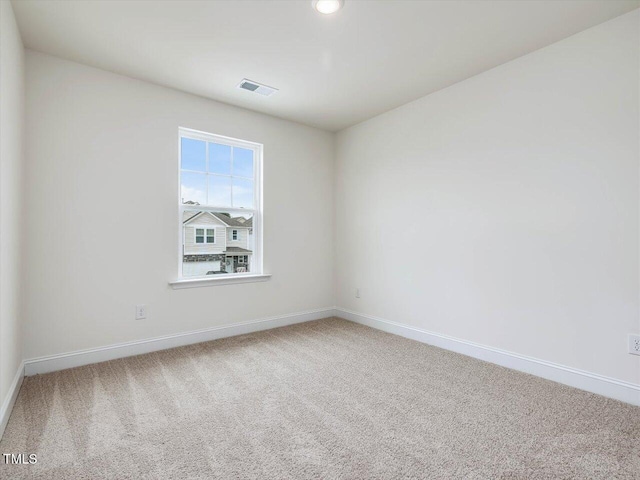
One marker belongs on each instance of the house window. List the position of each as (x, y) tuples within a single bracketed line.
[(210, 236), (220, 183)]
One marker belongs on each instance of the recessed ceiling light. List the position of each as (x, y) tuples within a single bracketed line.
[(327, 6)]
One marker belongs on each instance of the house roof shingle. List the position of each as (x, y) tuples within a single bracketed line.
[(237, 250), (234, 221), (223, 217)]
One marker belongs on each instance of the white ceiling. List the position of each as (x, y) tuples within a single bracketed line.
[(332, 71)]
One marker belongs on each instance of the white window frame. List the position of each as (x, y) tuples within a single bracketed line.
[(234, 235), (206, 228), (257, 274)]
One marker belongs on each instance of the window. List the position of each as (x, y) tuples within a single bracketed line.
[(220, 182), (210, 237)]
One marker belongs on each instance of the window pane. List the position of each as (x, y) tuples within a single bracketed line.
[(219, 190), (243, 162), (193, 154), (202, 256), (219, 159), (193, 188), (242, 193)]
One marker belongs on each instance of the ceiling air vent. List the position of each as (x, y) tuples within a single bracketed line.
[(257, 87)]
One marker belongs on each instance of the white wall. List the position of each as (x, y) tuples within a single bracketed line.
[(11, 161), (102, 163), (504, 210)]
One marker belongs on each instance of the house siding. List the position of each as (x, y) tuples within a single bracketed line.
[(223, 236), (243, 238), (191, 247)]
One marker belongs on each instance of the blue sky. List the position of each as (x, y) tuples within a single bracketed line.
[(227, 173)]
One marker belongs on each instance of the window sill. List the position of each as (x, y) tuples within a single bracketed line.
[(226, 280)]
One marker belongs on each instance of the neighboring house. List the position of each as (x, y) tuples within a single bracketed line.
[(216, 243)]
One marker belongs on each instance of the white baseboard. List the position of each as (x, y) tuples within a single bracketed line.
[(53, 363), (591, 382), (10, 400)]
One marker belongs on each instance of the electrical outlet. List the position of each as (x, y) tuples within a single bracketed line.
[(634, 344), (141, 312), (357, 293)]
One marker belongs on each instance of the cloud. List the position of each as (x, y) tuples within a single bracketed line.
[(193, 194)]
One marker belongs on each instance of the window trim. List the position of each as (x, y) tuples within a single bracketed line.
[(231, 279), (234, 235), (257, 273), (205, 228), (196, 242)]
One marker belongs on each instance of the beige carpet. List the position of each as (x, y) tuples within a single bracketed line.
[(324, 400)]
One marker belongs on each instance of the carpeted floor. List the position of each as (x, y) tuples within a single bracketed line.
[(324, 400)]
